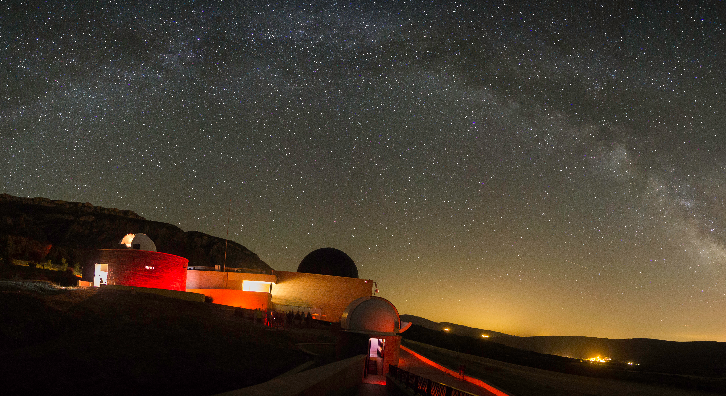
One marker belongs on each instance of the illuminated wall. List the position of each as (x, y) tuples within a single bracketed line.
[(224, 280), (142, 268), (236, 298), (330, 294), (236, 289)]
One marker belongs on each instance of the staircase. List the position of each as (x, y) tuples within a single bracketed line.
[(372, 366)]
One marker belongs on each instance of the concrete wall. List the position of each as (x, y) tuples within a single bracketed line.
[(223, 280), (142, 268), (391, 352), (330, 294), (236, 298)]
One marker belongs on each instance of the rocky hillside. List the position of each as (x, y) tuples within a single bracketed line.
[(40, 229)]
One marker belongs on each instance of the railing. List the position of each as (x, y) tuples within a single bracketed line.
[(423, 385)]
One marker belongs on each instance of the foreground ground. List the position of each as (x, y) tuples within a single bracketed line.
[(90, 341), (114, 342)]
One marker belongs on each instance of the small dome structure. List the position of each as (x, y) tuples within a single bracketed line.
[(139, 242), (371, 315), (328, 261)]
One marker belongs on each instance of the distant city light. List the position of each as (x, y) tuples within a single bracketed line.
[(484, 336), (446, 329), (599, 359)]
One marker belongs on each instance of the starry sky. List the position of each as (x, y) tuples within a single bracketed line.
[(542, 169)]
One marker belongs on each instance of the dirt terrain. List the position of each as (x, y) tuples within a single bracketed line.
[(90, 341)]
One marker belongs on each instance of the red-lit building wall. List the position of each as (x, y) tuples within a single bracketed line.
[(142, 268), (236, 298)]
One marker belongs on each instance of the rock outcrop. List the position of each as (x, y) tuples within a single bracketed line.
[(40, 229)]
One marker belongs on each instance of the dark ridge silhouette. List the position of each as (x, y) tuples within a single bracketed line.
[(40, 229)]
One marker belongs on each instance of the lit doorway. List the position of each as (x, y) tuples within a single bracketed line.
[(376, 352), (100, 276)]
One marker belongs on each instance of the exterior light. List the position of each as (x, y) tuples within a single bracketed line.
[(599, 359), (127, 240)]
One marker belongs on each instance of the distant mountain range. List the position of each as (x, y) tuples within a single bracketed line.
[(697, 358), (40, 229)]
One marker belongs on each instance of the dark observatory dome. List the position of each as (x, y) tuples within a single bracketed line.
[(328, 261)]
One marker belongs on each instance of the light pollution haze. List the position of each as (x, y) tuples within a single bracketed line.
[(548, 169)]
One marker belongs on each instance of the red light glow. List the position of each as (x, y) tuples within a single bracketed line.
[(143, 268), (456, 374)]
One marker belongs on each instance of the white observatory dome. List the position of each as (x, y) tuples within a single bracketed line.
[(371, 315)]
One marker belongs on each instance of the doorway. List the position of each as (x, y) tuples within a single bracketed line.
[(376, 351), (100, 275)]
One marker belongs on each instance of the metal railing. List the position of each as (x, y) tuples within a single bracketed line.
[(424, 386)]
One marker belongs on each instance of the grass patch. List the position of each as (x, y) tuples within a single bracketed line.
[(33, 286)]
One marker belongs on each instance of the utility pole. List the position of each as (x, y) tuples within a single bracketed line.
[(226, 241)]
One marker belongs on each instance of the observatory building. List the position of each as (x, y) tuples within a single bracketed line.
[(325, 283), (137, 263), (326, 286), (372, 324)]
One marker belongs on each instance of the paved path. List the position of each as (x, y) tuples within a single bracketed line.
[(371, 390), (374, 385)]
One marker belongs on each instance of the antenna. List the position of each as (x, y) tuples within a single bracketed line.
[(226, 240)]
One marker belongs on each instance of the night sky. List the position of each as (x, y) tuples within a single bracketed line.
[(535, 170)]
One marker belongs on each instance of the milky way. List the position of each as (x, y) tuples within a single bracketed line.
[(543, 169)]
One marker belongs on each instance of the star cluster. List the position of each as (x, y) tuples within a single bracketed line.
[(544, 169)]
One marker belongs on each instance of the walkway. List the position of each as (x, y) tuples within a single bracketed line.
[(419, 365), (374, 385)]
